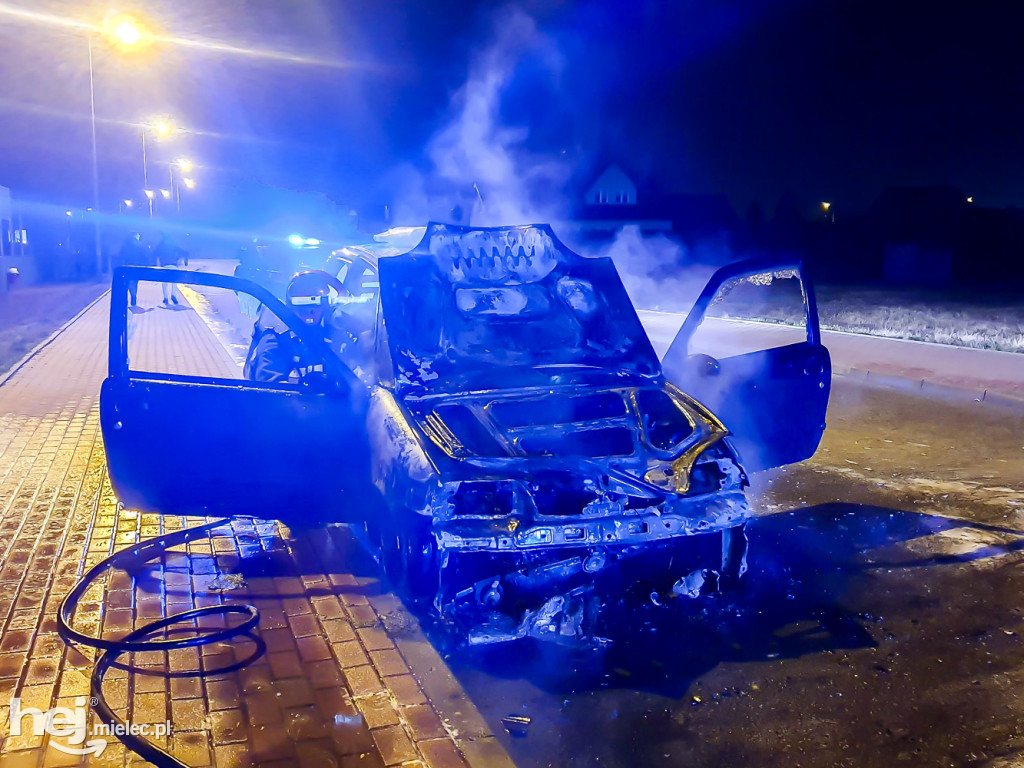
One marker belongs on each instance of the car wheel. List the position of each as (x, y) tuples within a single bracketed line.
[(392, 560), (408, 554), (419, 548)]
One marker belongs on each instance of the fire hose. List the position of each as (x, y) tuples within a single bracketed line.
[(143, 638)]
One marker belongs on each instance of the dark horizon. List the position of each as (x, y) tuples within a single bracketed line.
[(835, 102)]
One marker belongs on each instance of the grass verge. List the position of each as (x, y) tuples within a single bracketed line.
[(28, 315)]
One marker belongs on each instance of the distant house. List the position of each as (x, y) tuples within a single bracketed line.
[(12, 239), (611, 199), (613, 187)]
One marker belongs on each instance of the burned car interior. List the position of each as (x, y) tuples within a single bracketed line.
[(512, 447)]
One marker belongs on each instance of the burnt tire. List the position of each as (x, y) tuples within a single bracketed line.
[(422, 561), (408, 554)]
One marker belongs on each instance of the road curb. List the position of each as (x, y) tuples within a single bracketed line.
[(4, 378), (479, 746), (934, 389)]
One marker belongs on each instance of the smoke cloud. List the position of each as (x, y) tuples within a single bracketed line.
[(476, 161), (657, 271), (481, 166)]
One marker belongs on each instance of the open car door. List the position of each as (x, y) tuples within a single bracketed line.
[(750, 350), (187, 434)]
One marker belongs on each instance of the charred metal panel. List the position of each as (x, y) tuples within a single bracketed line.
[(476, 309)]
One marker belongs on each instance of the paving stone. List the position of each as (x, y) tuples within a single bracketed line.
[(441, 753), (388, 662), (228, 726), (394, 745), (378, 710)]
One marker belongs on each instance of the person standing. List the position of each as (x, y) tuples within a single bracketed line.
[(168, 254), (133, 254)]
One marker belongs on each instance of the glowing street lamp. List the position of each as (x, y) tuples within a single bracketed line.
[(166, 193), (161, 128), (149, 193), (127, 33), (826, 206), (183, 166), (128, 203), (124, 31)]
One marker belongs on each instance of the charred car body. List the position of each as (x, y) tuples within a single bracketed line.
[(509, 437)]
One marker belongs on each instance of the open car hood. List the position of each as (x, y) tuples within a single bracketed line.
[(485, 308)]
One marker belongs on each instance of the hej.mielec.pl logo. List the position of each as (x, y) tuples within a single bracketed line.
[(70, 724)]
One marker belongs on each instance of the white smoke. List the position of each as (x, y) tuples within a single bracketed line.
[(479, 162), (657, 271), (482, 164)]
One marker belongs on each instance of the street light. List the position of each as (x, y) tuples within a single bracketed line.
[(166, 193), (184, 165), (123, 32), (162, 128)]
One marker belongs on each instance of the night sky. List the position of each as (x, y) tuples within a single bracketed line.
[(834, 100)]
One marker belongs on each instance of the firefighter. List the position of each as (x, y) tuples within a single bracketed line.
[(275, 354)]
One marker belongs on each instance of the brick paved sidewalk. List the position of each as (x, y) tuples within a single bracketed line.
[(348, 679)]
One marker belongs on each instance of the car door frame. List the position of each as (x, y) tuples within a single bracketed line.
[(125, 387), (818, 364), (746, 268)]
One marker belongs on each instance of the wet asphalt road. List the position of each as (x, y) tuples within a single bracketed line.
[(881, 623)]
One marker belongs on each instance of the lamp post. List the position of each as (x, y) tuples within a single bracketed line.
[(161, 129), (184, 166), (123, 32), (95, 167)]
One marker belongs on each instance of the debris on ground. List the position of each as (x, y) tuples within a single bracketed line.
[(517, 725)]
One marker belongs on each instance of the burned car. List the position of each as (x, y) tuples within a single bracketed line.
[(509, 439)]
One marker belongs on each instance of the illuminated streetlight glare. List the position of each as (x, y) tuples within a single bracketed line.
[(184, 164), (166, 193), (162, 128), (127, 33), (124, 31), (128, 203), (826, 206), (149, 193), (189, 183)]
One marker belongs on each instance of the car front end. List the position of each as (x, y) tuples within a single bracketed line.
[(536, 499)]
